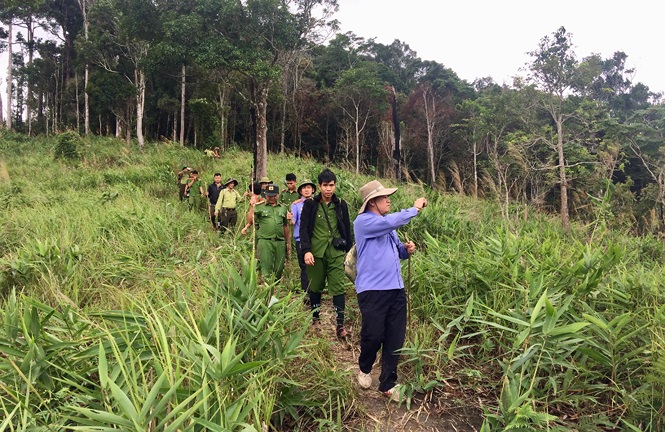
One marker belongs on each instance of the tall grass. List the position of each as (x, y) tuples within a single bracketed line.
[(122, 309)]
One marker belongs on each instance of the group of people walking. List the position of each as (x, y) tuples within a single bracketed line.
[(221, 197), (321, 227)]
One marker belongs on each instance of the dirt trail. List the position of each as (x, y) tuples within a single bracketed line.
[(375, 412)]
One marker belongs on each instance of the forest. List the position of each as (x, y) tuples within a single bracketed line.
[(535, 295), (275, 76)]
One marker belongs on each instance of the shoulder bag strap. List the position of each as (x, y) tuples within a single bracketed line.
[(325, 213)]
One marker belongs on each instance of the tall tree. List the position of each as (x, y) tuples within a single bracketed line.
[(3, 35), (360, 95), (554, 70), (7, 17), (253, 36), (124, 32), (86, 6)]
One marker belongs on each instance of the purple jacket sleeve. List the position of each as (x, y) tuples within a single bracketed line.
[(380, 226)]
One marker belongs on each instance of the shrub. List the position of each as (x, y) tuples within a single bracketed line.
[(68, 146)]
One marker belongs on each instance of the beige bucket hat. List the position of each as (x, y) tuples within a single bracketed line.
[(371, 190)]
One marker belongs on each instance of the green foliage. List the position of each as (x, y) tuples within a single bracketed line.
[(121, 308), (68, 146)]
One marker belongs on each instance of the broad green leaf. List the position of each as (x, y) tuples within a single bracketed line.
[(511, 319), (166, 398), (102, 367), (549, 309), (179, 409), (123, 401), (451, 348), (569, 328), (521, 337), (469, 306), (152, 397), (597, 320), (105, 418), (538, 307), (5, 423)]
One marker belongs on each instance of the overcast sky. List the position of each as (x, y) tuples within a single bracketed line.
[(479, 38)]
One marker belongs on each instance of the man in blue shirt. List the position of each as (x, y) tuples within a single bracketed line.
[(379, 283)]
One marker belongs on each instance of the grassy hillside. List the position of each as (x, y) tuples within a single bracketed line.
[(123, 308)]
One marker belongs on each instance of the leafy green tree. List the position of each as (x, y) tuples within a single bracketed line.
[(555, 71), (644, 134), (24, 14), (124, 31), (86, 6), (250, 38)]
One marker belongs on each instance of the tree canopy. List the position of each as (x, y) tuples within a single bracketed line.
[(276, 75)]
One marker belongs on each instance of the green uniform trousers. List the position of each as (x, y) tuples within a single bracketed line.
[(330, 269), (272, 254)]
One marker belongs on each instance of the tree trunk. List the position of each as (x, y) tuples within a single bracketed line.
[(429, 118), (262, 130), (78, 111), (565, 218), (183, 84), (86, 99), (282, 146), (175, 128), (222, 116), (2, 120), (9, 77), (28, 103), (139, 75), (252, 139), (128, 122), (397, 153), (475, 169), (357, 137), (46, 116)]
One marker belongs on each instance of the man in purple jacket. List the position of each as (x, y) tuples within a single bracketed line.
[(379, 283)]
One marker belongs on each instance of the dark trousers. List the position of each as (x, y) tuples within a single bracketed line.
[(304, 281), (213, 218), (228, 217), (383, 326)]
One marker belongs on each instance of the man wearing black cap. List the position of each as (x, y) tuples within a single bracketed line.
[(272, 233), (226, 204)]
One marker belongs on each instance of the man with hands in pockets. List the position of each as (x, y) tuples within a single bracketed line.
[(379, 283)]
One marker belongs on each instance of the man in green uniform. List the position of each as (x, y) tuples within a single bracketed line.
[(290, 194), (183, 179), (272, 233), (226, 205), (194, 191), (264, 182), (325, 237)]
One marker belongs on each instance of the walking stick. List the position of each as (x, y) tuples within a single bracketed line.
[(408, 288)]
